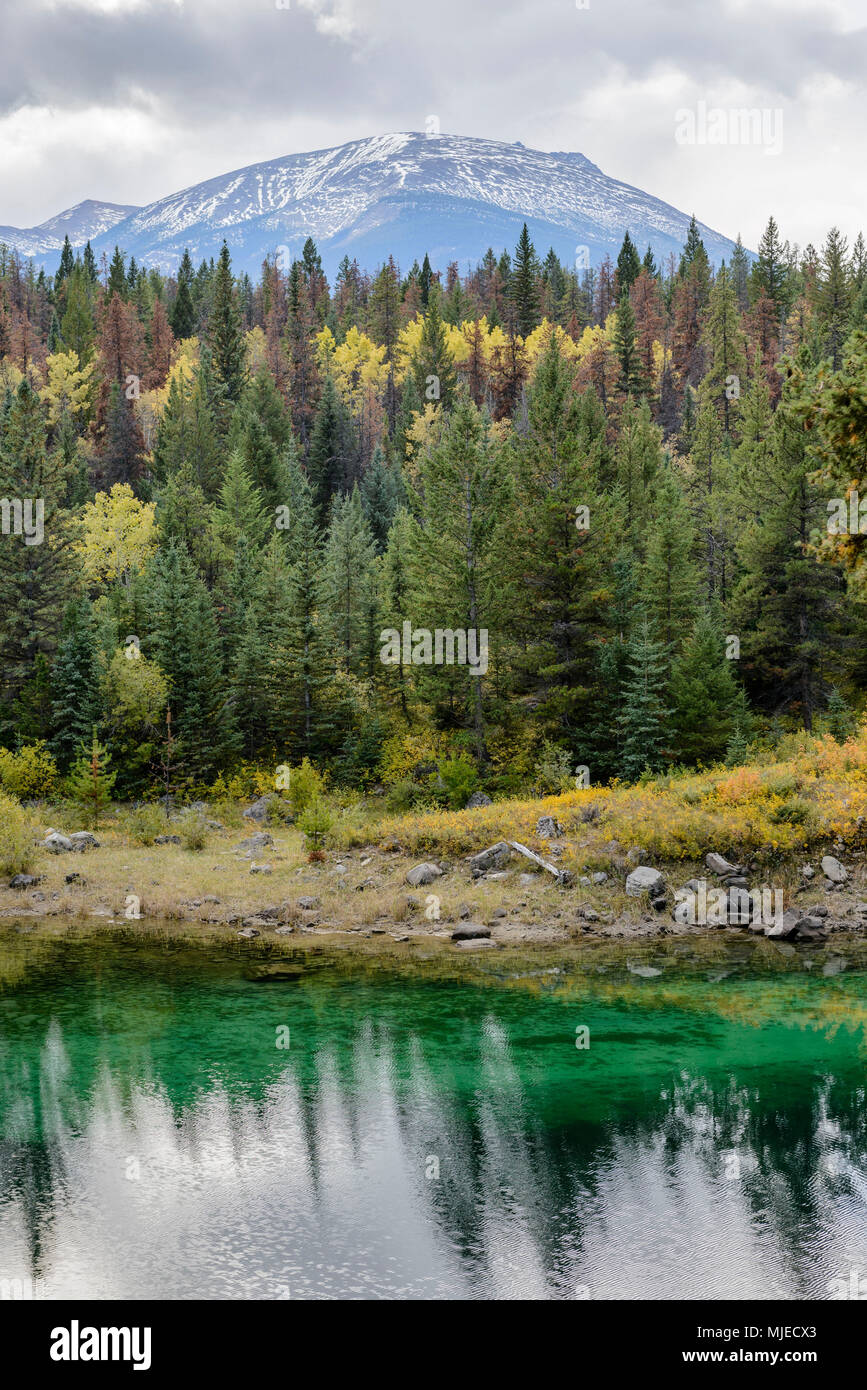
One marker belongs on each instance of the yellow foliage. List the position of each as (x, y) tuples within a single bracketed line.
[(29, 773), (150, 405), (118, 535), (69, 387), (355, 364), (816, 795)]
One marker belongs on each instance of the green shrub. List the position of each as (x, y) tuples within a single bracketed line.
[(316, 820), (144, 823), (553, 774), (193, 830), (402, 796), (306, 785), (797, 811), (455, 781)]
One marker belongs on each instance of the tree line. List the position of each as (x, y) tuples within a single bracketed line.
[(620, 474)]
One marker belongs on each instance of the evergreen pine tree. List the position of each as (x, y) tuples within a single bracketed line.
[(90, 781), (644, 719), (523, 285), (75, 683), (703, 693), (225, 335)]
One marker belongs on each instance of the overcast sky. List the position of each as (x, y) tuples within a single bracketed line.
[(128, 100)]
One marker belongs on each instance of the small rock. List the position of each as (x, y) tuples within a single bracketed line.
[(309, 904), (260, 809), (28, 880), (284, 931), (645, 880), (260, 840), (808, 871), (57, 843), (600, 878), (247, 933), (548, 828), (476, 944), (499, 912), (718, 865), (494, 857), (170, 840), (261, 869), (422, 874), (833, 869), (792, 919), (83, 839), (526, 879), (73, 878), (478, 799), (471, 932)]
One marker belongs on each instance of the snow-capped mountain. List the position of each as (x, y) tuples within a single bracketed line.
[(403, 195), (81, 224)]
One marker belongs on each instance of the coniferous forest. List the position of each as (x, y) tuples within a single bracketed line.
[(640, 481)]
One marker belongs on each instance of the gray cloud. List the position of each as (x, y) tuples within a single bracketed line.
[(208, 85)]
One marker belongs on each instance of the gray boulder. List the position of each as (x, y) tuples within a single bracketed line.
[(833, 869), (492, 858), (57, 843), (792, 919), (260, 840), (422, 874), (24, 881), (83, 839), (309, 904), (260, 809), (478, 799), (645, 880), (548, 828), (600, 878), (167, 840), (718, 865), (470, 932)]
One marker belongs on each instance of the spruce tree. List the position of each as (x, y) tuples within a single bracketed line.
[(628, 266), (74, 683), (433, 365), (703, 694), (183, 314), (330, 450), (351, 586), (523, 285), (260, 686), (90, 780), (225, 335), (644, 721), (35, 568), (186, 646), (309, 645)]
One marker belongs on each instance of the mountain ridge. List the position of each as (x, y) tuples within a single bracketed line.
[(402, 194)]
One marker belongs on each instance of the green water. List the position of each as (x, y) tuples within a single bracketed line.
[(431, 1129)]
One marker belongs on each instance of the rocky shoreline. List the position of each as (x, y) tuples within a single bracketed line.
[(505, 894)]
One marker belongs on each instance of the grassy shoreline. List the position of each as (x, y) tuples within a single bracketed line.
[(772, 818)]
